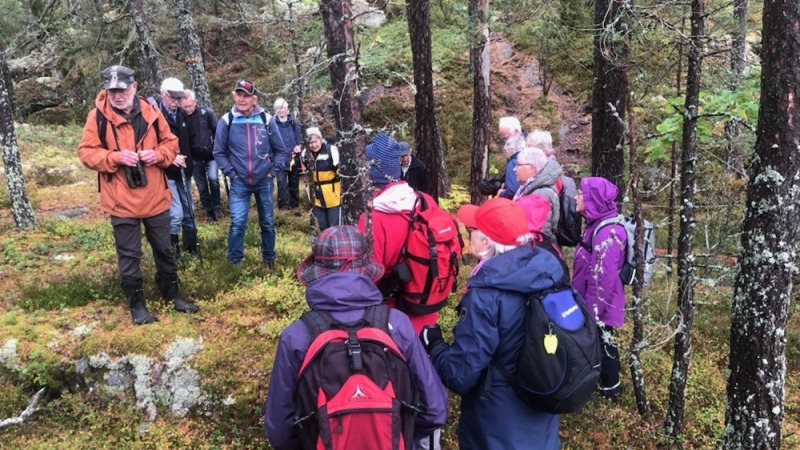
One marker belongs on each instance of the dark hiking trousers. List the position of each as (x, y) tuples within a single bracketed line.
[(610, 366), (128, 241)]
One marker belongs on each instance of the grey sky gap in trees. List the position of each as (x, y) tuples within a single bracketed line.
[(767, 255)]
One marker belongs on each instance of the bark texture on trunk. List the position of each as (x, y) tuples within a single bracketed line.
[(767, 255), (683, 338), (343, 68)]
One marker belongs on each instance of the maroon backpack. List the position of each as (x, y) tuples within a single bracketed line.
[(354, 388)]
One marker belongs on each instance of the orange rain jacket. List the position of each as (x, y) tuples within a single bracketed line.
[(116, 198)]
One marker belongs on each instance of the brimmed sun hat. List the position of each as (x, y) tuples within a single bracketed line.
[(339, 249)]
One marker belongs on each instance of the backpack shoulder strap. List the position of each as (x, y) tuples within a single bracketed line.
[(317, 322), (102, 123), (617, 220), (228, 118), (377, 316)]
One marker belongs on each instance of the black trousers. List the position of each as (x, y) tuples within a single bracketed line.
[(610, 366), (128, 242)]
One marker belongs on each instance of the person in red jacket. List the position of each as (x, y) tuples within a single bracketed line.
[(391, 210)]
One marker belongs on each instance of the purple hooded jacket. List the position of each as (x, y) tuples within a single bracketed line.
[(345, 296), (596, 264)]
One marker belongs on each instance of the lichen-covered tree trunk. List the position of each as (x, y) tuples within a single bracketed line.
[(481, 109), (637, 338), (608, 93), (343, 68), (149, 73), (21, 208), (767, 255), (673, 422), (192, 48), (426, 128), (735, 153)]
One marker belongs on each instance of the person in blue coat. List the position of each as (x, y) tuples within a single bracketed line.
[(340, 280), (490, 331)]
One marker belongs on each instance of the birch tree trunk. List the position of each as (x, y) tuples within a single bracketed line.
[(767, 255), (21, 208), (149, 73), (192, 47), (673, 422), (343, 68), (426, 128), (608, 94), (481, 108)]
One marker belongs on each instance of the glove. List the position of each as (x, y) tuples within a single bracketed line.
[(431, 336), (490, 186)]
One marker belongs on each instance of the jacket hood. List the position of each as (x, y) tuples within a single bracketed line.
[(525, 269), (342, 292), (394, 198), (599, 198)]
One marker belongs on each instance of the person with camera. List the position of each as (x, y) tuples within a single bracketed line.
[(179, 174), (128, 142)]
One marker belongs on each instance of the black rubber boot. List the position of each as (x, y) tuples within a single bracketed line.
[(174, 239), (190, 241), (139, 312), (169, 290)]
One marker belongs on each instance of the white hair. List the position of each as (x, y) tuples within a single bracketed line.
[(541, 139), (494, 249), (514, 144), (280, 103), (511, 123), (188, 93), (534, 156)]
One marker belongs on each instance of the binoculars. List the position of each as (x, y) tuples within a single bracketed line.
[(136, 176)]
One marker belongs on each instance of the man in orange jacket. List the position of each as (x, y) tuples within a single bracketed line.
[(129, 143)]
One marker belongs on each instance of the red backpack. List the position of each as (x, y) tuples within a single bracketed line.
[(428, 265), (354, 388)]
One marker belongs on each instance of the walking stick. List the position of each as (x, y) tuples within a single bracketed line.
[(190, 201)]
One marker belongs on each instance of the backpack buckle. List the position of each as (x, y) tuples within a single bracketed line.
[(354, 351)]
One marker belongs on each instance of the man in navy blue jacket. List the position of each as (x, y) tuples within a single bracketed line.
[(202, 120)]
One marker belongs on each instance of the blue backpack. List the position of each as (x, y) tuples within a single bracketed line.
[(559, 364)]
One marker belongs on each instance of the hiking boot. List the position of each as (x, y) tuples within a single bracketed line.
[(218, 214), (211, 217), (174, 240), (190, 241), (168, 285), (139, 312)]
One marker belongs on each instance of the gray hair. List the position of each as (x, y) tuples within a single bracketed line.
[(541, 139), (496, 249), (534, 156), (188, 93), (514, 144), (280, 103)]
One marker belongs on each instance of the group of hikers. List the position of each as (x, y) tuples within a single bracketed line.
[(368, 365)]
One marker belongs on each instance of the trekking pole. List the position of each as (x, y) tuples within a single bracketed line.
[(190, 201)]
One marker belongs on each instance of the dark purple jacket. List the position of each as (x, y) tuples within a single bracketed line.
[(345, 296), (597, 263)]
